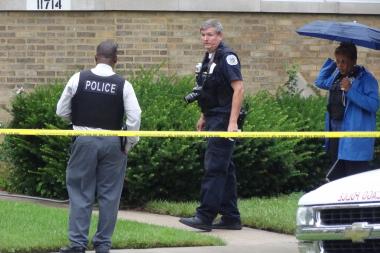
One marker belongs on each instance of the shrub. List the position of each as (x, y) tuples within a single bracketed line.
[(272, 166), (164, 167), (314, 164), (171, 168), (37, 162)]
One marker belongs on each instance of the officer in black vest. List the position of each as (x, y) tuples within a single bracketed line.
[(97, 99), (220, 97)]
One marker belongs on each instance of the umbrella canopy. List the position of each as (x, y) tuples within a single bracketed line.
[(358, 34)]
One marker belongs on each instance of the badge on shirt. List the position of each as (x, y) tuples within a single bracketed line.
[(232, 60)]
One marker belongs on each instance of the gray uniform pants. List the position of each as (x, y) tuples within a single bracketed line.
[(96, 170)]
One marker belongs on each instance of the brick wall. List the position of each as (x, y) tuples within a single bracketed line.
[(41, 47)]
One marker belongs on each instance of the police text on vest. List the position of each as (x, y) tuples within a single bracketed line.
[(101, 87)]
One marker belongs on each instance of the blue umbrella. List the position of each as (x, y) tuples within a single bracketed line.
[(358, 34)]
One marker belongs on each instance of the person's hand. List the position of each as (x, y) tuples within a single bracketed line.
[(345, 84), (128, 147), (232, 127), (201, 123)]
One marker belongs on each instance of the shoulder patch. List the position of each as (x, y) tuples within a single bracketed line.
[(232, 59)]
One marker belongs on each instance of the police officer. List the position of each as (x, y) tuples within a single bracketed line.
[(97, 99), (220, 101)]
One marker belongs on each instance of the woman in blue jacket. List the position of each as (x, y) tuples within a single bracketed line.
[(352, 105)]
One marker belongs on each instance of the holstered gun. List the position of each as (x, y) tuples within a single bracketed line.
[(123, 140)]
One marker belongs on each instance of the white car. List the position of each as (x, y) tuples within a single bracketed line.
[(342, 216)]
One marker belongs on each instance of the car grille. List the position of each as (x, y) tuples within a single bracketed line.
[(369, 246), (347, 216)]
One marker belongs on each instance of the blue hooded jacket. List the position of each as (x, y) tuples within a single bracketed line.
[(362, 102)]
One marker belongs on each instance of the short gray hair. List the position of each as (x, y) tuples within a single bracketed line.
[(212, 23)]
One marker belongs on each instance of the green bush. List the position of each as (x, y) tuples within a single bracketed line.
[(164, 167), (272, 166), (171, 168), (37, 162), (314, 162)]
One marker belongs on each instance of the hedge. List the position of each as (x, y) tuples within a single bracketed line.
[(171, 168)]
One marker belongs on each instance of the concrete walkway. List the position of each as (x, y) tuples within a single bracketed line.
[(246, 240)]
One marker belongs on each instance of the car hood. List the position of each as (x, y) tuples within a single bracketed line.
[(362, 187)]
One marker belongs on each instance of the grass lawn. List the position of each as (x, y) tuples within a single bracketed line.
[(274, 214), (28, 227)]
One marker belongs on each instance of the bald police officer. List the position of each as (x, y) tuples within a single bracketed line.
[(220, 100), (97, 99)]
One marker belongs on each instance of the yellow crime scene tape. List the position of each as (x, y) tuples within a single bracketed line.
[(187, 134)]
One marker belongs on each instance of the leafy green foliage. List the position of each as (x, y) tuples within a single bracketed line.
[(291, 85), (312, 162), (31, 157), (164, 167), (272, 166)]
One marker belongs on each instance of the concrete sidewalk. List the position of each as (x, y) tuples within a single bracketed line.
[(246, 240)]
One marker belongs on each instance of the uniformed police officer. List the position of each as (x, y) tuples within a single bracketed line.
[(97, 99), (220, 100)]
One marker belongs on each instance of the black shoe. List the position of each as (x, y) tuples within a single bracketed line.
[(196, 222), (225, 225), (76, 249)]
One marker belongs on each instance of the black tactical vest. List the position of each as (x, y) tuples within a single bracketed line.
[(216, 90), (98, 101)]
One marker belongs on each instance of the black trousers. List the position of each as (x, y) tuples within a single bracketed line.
[(343, 168), (218, 189)]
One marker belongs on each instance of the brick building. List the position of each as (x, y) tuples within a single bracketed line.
[(49, 40)]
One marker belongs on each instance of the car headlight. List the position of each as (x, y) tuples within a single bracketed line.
[(305, 216)]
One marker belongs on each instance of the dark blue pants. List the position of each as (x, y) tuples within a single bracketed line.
[(218, 190)]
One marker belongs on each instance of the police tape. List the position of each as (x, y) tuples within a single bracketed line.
[(189, 134)]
